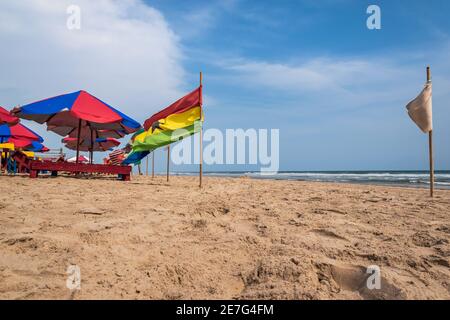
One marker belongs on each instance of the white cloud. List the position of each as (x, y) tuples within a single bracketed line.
[(125, 53), (340, 83), (327, 81)]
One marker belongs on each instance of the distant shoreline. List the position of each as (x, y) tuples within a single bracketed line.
[(396, 178)]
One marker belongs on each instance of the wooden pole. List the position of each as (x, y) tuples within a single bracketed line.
[(91, 153), (78, 140), (153, 164), (201, 134), (430, 147), (430, 143), (146, 166), (168, 161)]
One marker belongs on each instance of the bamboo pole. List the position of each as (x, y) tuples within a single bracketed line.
[(168, 161), (430, 143), (430, 147), (78, 140), (201, 134)]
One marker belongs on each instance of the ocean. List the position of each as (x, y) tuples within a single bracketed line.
[(394, 178)]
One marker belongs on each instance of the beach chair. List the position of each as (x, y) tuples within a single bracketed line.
[(22, 162)]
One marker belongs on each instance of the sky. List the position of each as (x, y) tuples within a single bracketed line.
[(312, 69)]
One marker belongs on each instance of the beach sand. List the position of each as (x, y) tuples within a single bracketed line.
[(237, 238)]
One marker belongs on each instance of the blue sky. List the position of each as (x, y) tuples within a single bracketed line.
[(320, 130), (336, 90)]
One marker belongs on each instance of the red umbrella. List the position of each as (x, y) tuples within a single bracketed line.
[(7, 118)]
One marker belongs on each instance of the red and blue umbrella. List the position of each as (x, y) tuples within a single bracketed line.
[(18, 131), (64, 113), (27, 145), (6, 118), (36, 147), (79, 115), (13, 132)]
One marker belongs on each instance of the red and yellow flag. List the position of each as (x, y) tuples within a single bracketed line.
[(164, 127)]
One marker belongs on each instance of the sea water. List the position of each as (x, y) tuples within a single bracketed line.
[(395, 178)]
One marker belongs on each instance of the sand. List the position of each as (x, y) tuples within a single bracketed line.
[(237, 238)]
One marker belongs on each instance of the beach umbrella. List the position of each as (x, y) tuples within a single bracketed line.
[(19, 135), (73, 113), (20, 143), (99, 144), (18, 131), (7, 118), (27, 145), (37, 147), (87, 133), (80, 159)]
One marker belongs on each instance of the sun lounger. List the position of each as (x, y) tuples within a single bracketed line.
[(35, 166)]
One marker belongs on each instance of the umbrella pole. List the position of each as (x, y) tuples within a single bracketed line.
[(92, 147), (78, 141)]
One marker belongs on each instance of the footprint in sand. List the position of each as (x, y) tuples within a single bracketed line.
[(425, 239), (328, 234), (354, 278)]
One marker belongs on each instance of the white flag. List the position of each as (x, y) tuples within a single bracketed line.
[(420, 109)]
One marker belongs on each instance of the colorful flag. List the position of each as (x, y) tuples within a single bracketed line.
[(179, 120), (420, 109)]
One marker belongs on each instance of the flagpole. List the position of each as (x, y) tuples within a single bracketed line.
[(146, 166), (153, 164), (201, 132), (168, 161), (430, 146)]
